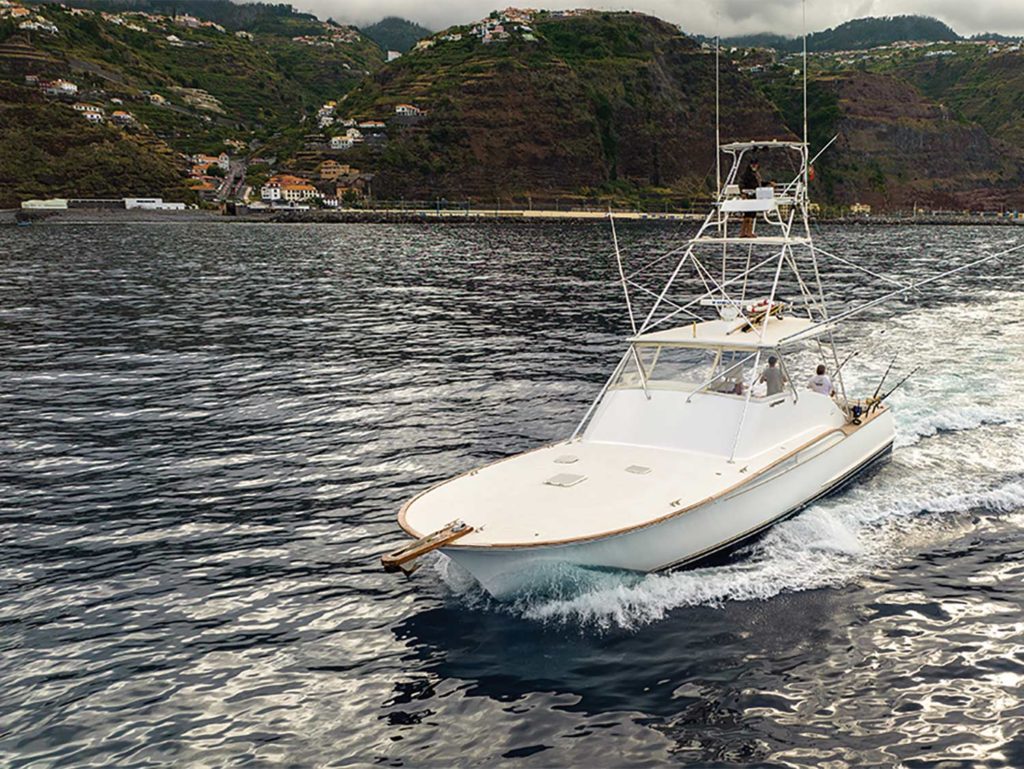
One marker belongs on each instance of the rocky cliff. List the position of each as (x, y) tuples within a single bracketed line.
[(598, 103)]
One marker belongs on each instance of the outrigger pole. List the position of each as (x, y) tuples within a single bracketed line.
[(901, 292)]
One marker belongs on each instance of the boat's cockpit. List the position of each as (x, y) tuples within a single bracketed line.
[(715, 370)]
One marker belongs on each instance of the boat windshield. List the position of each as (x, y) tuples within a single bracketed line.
[(668, 367)]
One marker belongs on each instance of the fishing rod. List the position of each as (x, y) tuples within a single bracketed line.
[(846, 360), (897, 386), (874, 396)]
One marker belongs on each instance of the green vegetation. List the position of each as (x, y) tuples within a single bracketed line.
[(859, 34), (47, 150), (395, 34), (265, 18), (610, 105), (256, 89)]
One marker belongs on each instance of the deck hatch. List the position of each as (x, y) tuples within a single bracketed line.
[(567, 459), (638, 469), (565, 480)]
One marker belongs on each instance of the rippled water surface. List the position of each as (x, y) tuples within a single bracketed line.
[(208, 430)]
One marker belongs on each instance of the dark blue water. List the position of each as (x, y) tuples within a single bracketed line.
[(208, 429)]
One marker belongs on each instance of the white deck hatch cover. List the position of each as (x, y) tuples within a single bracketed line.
[(565, 480), (566, 459), (638, 469)]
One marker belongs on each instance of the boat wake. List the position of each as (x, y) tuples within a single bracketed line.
[(831, 544)]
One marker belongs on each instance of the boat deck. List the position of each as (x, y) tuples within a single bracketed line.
[(580, 490)]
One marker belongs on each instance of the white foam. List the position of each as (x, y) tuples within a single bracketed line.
[(912, 428), (830, 545)]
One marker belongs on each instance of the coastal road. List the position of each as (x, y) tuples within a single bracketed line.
[(234, 181)]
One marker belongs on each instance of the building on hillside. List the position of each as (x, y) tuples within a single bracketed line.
[(39, 25), (155, 98), (243, 35), (287, 188), (351, 137), (407, 110), (860, 209), (121, 117), (90, 112), (330, 170), (353, 187), (204, 187), (186, 20), (392, 55), (61, 88), (372, 126)]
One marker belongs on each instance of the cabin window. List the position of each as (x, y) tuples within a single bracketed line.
[(687, 369)]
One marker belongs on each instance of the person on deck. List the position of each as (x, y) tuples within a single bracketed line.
[(749, 183), (773, 377), (820, 383)]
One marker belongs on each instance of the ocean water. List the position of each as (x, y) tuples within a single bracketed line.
[(209, 428)]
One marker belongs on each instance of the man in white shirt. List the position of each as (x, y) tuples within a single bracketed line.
[(820, 382)]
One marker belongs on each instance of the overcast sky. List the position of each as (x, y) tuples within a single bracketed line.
[(737, 16)]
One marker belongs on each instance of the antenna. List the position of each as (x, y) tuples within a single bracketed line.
[(807, 147), (718, 123)]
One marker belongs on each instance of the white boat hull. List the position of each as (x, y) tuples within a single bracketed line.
[(686, 538)]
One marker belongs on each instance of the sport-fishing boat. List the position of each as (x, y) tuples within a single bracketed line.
[(706, 432)]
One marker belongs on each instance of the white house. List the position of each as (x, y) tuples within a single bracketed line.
[(39, 26), (288, 188), (224, 162), (271, 191), (407, 110), (392, 55), (341, 143), (62, 88)]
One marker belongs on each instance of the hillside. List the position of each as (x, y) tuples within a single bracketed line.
[(45, 150), (264, 18), (855, 35), (978, 82), (395, 34), (581, 104), (214, 86)]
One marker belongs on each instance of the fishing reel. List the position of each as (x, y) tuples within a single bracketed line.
[(856, 411)]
